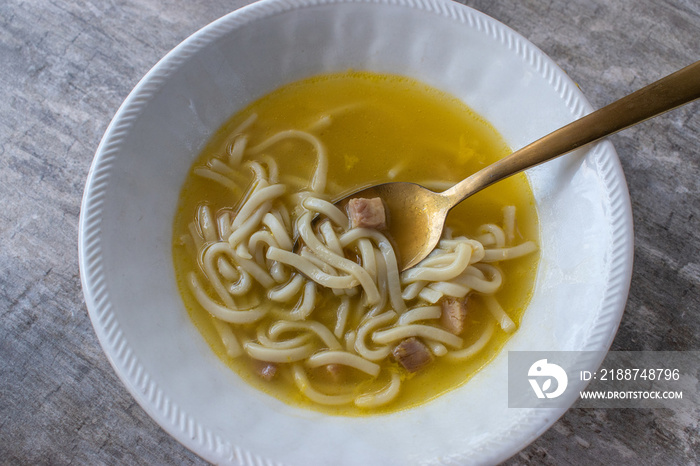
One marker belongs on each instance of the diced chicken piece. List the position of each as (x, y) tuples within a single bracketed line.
[(265, 370), (454, 314), (412, 354), (367, 213)]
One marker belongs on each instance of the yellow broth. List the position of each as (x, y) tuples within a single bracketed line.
[(384, 128)]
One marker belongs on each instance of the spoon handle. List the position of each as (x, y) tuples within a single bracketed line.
[(670, 92)]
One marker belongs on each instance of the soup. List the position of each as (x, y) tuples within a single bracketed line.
[(318, 314)]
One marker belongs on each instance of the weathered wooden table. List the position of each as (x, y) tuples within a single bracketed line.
[(65, 67)]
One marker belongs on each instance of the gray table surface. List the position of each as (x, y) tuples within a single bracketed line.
[(66, 66)]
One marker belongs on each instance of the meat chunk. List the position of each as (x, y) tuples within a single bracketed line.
[(265, 370), (367, 213), (412, 354), (454, 314)]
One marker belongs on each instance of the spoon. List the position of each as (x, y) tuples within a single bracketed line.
[(416, 215)]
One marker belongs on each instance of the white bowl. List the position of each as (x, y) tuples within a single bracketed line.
[(139, 167)]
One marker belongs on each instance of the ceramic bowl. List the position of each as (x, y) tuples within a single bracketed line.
[(140, 165)]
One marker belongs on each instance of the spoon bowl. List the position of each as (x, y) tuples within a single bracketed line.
[(416, 215)]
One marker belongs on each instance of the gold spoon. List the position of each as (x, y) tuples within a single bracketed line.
[(416, 215)]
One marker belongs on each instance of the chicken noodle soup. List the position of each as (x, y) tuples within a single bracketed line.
[(334, 325)]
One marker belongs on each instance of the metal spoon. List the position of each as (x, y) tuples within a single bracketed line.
[(416, 215)]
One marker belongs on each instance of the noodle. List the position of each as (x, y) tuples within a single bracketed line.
[(222, 312), (261, 353), (416, 330), (381, 397), (368, 327), (324, 358), (304, 385)]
